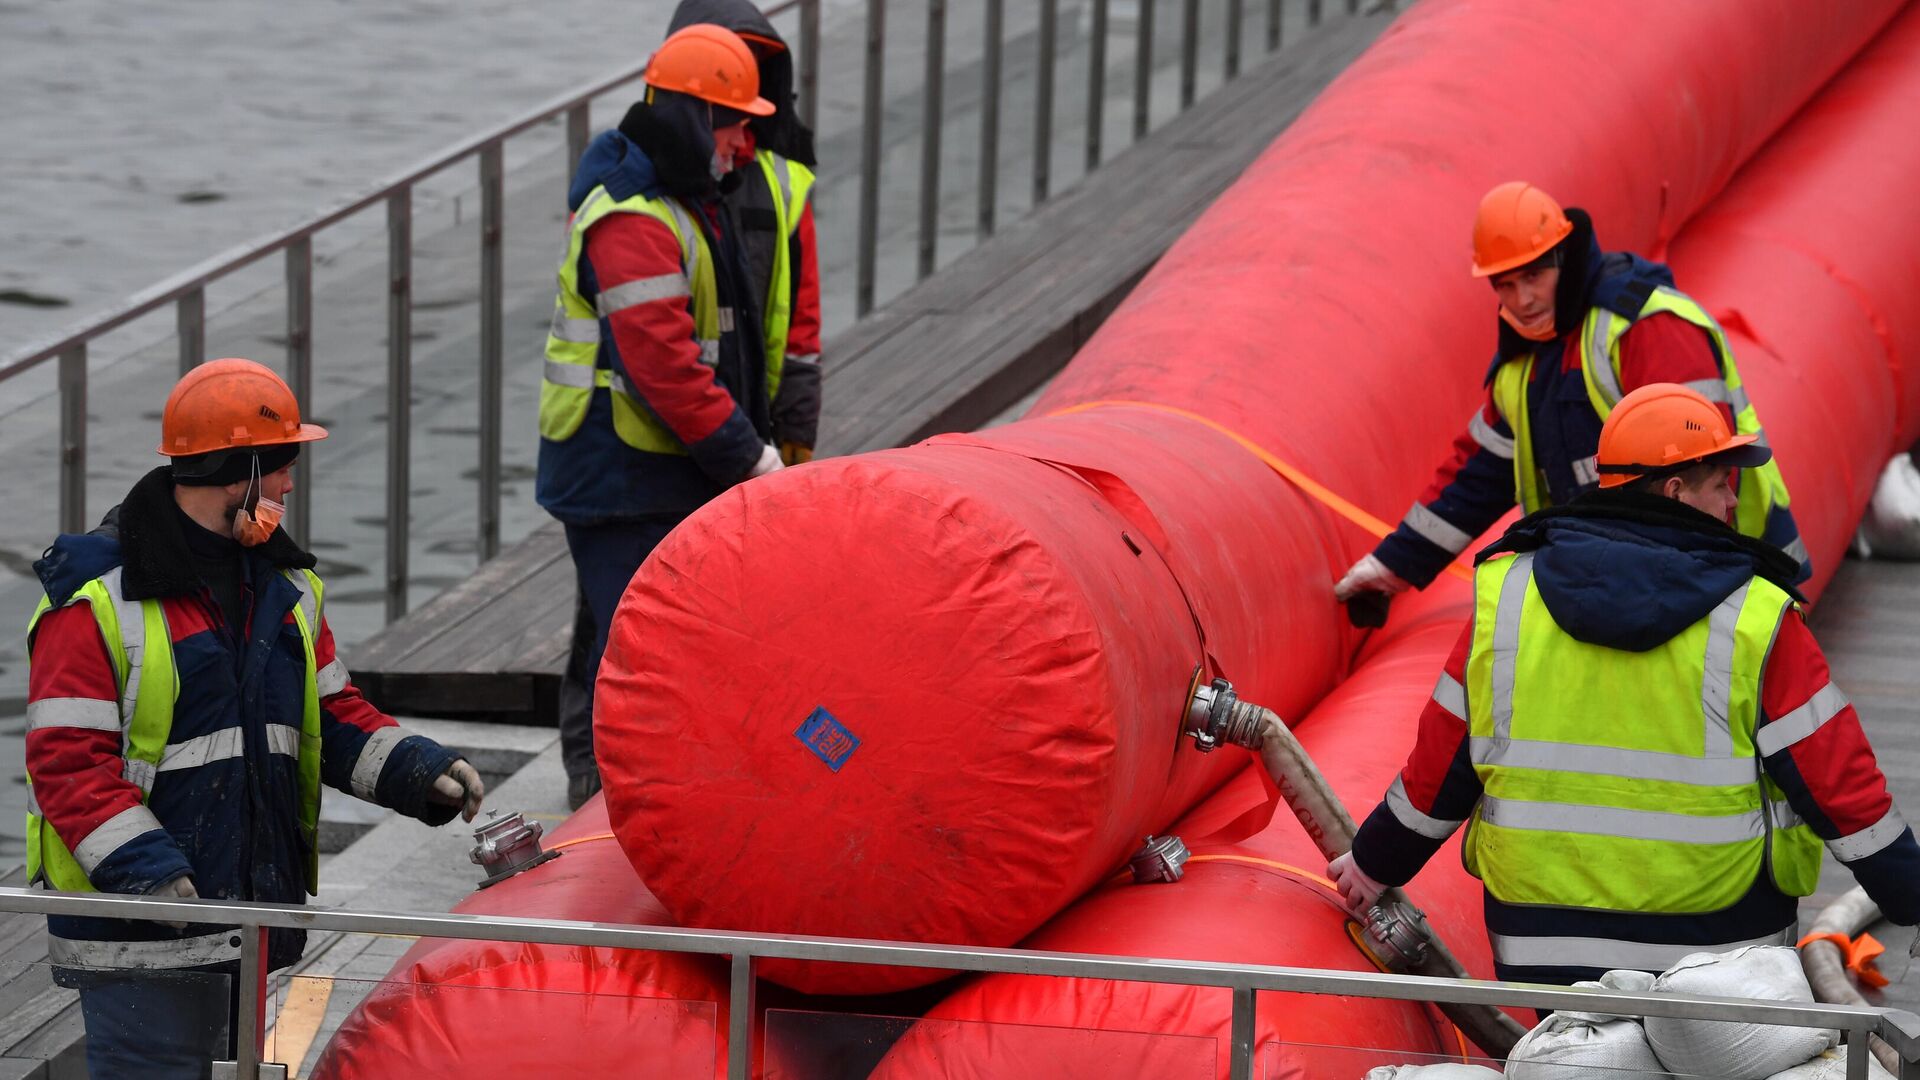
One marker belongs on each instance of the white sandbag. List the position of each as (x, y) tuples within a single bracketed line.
[(1736, 1051), (1891, 527), (1589, 1046), (1831, 1065), (1446, 1070)]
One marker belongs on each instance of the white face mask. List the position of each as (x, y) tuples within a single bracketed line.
[(719, 166)]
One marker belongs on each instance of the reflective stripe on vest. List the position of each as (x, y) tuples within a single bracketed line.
[(1624, 781), (576, 361), (1761, 489), (140, 648)]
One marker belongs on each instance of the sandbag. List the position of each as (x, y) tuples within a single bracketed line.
[(1736, 1051), (1446, 1070), (1589, 1046), (1891, 529), (1831, 1065)]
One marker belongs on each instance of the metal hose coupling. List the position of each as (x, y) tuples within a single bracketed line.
[(1161, 858), (1397, 935), (1216, 716), (507, 844)]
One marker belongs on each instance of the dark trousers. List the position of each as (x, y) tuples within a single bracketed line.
[(605, 558), (163, 1025)]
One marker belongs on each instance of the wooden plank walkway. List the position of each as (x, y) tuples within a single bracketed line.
[(948, 355)]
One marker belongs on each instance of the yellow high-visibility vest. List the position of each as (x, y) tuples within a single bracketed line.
[(1624, 781)]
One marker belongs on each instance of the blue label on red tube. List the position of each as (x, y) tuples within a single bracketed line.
[(828, 738)]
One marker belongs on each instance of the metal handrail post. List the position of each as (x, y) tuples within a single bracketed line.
[(935, 79), (492, 315), (1096, 82), (73, 438), (740, 1012), (810, 63), (1043, 101), (579, 133), (1274, 25), (300, 377), (399, 393), (1189, 52), (994, 15), (1236, 20), (1143, 71), (870, 116), (251, 1039), (1240, 1050), (190, 323)]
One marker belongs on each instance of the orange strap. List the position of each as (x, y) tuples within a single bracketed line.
[(565, 844), (1860, 954), (1324, 495)]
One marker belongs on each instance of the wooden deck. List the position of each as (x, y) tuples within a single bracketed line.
[(949, 355)]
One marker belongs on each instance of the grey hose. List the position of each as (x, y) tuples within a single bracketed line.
[(1327, 822), (1826, 966)]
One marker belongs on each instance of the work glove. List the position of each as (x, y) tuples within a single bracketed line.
[(793, 453), (769, 462), (180, 888), (1359, 891), (460, 787), (1369, 575)]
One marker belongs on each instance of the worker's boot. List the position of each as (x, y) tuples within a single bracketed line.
[(581, 788)]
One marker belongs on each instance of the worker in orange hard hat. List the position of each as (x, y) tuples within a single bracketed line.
[(1637, 727), (659, 386), (185, 705), (769, 195), (1578, 329)]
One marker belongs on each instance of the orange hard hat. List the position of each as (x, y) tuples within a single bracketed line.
[(231, 404), (1516, 224), (1662, 428), (711, 63)]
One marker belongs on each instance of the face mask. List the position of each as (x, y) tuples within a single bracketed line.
[(253, 524), (719, 166), (1544, 331)]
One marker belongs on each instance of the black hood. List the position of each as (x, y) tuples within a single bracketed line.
[(1630, 571), (782, 133), (674, 132)]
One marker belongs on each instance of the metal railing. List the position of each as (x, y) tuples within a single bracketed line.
[(1900, 1030), (186, 291)]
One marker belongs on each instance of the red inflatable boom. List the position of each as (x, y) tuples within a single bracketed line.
[(1822, 318), (936, 693)]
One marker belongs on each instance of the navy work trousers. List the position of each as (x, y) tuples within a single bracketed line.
[(159, 1025), (605, 558)]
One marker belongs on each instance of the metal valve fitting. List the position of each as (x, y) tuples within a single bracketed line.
[(1397, 933), (1161, 858), (1216, 716), (507, 844)]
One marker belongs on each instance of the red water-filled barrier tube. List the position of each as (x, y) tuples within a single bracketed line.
[(1261, 901), (1822, 318), (935, 693), (481, 1010)]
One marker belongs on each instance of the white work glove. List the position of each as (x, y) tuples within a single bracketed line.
[(180, 888), (1369, 575), (769, 462), (1358, 890), (459, 786)]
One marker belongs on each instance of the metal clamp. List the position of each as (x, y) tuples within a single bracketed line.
[(1217, 716), (1397, 934), (1161, 858), (506, 845)]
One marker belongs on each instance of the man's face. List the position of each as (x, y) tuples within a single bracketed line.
[(274, 486), (1527, 294), (1715, 495), (730, 142)]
